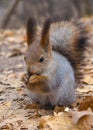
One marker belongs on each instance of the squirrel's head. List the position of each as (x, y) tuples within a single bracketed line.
[(38, 54)]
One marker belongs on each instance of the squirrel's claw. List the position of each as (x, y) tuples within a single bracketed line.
[(24, 78)]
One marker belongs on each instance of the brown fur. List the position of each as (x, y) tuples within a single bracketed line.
[(31, 30), (45, 34)]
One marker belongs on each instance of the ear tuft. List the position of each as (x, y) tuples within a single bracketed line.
[(31, 30), (45, 34)]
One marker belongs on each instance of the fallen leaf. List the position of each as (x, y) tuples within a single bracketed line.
[(86, 103), (60, 121), (77, 115), (88, 79), (33, 106), (85, 89), (7, 127), (59, 109)]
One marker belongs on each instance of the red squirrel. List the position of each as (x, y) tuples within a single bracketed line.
[(54, 54)]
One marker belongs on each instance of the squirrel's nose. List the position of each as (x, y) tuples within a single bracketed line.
[(30, 73)]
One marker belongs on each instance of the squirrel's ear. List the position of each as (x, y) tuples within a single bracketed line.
[(45, 35), (31, 30)]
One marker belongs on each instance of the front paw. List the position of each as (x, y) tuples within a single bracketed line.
[(32, 83), (25, 78), (34, 79)]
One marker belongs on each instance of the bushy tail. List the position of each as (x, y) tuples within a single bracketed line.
[(72, 39)]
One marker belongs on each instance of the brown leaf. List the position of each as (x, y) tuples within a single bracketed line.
[(60, 121), (20, 122), (59, 109), (33, 106), (87, 122), (86, 103), (7, 127)]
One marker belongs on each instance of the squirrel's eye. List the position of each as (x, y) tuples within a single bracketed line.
[(41, 59), (25, 58)]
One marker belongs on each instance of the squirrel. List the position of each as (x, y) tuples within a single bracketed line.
[(54, 54)]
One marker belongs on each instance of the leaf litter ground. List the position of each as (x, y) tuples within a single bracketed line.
[(17, 112)]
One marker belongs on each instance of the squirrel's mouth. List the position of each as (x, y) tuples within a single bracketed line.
[(31, 74)]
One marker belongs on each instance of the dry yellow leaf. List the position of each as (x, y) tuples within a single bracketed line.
[(88, 79), (59, 122)]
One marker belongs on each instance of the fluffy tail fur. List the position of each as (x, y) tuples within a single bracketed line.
[(71, 39)]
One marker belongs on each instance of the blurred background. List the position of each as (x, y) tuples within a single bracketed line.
[(14, 13)]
